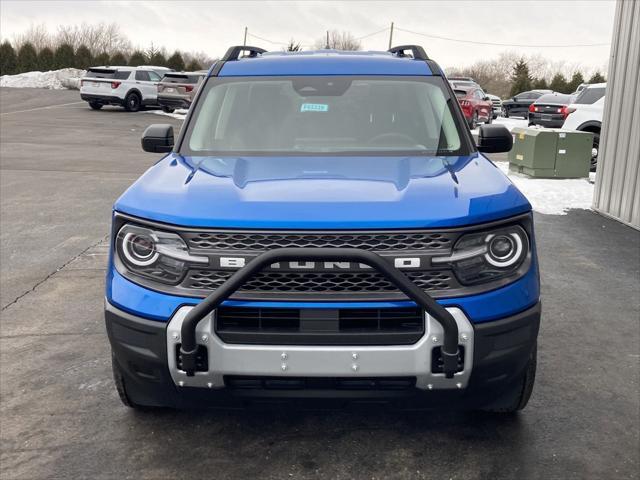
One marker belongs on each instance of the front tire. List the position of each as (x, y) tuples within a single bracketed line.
[(505, 112), (168, 109), (516, 398), (132, 102)]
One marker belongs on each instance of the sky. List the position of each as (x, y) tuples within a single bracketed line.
[(211, 27)]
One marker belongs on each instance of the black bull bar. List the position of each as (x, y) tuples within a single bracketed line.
[(189, 347)]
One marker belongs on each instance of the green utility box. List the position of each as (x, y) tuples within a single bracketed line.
[(550, 152)]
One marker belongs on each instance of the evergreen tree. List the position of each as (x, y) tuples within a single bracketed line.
[(8, 59), (193, 66), (46, 61), (102, 59), (64, 56), (137, 58), (540, 84), (574, 83), (558, 83), (597, 78), (118, 59), (520, 77), (157, 59), (84, 58), (27, 58), (176, 62)]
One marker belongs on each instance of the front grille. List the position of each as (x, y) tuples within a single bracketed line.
[(242, 382), (379, 241), (291, 326), (321, 282)]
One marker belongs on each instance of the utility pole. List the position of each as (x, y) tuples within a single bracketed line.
[(328, 47), (244, 43), (391, 36)]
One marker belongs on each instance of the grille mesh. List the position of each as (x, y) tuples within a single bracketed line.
[(367, 241), (320, 282)]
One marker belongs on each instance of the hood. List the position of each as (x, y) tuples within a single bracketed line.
[(323, 192)]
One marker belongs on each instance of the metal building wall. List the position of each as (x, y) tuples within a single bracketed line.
[(617, 189)]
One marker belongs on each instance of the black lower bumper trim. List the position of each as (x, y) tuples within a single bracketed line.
[(102, 99), (174, 102), (501, 352)]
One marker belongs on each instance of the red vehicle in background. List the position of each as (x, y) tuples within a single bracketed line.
[(475, 104)]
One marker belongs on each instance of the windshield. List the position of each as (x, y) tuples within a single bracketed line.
[(334, 115)]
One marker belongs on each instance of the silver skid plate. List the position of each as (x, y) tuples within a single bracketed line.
[(321, 361)]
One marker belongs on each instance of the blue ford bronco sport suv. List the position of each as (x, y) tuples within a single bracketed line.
[(324, 226)]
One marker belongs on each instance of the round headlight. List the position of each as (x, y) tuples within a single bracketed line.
[(139, 249), (503, 250)]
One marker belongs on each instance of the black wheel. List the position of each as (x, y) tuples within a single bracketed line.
[(168, 109), (474, 121), (132, 102), (518, 396), (505, 112), (594, 151), (490, 119), (95, 106)]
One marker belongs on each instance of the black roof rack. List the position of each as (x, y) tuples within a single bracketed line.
[(234, 52), (417, 51)]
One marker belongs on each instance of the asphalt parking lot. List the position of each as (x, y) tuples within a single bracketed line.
[(63, 165)]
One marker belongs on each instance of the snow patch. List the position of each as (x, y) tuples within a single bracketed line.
[(552, 196), (178, 113), (66, 78)]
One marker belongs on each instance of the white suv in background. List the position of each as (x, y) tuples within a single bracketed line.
[(585, 115), (129, 87)]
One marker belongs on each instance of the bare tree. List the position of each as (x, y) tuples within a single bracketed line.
[(36, 35), (339, 41), (100, 38)]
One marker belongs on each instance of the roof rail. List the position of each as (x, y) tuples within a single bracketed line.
[(417, 51), (234, 52)]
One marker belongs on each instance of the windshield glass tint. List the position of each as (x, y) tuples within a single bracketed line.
[(590, 95), (307, 115), (112, 74)]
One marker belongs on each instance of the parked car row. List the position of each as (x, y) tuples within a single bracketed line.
[(582, 110), (137, 87)]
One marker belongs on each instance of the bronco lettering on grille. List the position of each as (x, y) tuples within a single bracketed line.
[(239, 262)]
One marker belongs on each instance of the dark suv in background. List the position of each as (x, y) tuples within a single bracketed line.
[(518, 106)]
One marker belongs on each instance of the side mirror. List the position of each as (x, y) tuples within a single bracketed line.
[(157, 138), (486, 98), (494, 139)]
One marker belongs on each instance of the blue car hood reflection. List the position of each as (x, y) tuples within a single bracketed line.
[(323, 192)]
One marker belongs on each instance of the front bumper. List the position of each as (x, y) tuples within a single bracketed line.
[(496, 354)]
